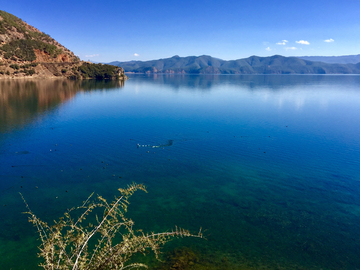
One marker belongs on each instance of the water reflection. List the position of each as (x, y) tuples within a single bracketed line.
[(22, 101), (251, 82)]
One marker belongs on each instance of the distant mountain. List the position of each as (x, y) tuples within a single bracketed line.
[(205, 64), (344, 59), (27, 52)]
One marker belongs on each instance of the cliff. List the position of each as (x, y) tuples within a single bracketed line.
[(27, 52)]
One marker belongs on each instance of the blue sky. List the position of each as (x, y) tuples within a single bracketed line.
[(121, 30)]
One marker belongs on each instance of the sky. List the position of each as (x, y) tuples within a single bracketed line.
[(105, 31)]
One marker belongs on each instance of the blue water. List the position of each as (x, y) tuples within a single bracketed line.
[(268, 166)]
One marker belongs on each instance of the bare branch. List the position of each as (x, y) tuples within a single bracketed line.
[(65, 244)]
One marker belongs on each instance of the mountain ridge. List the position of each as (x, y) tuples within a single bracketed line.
[(206, 64), (342, 59)]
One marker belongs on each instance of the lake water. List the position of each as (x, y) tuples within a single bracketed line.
[(268, 166)]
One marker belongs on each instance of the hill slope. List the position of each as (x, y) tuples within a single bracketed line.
[(205, 64), (27, 52)]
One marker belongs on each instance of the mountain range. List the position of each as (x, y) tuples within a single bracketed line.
[(206, 64)]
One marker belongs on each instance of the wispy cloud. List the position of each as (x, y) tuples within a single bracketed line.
[(290, 48), (283, 42), (135, 54), (268, 49), (329, 40), (303, 42), (91, 55)]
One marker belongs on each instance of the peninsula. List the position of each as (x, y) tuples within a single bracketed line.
[(26, 52)]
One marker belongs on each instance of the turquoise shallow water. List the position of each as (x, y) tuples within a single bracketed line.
[(268, 166)]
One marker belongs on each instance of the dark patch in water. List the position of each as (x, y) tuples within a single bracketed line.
[(22, 152), (169, 143)]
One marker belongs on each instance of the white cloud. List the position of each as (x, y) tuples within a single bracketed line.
[(91, 55), (303, 42), (283, 42), (268, 49), (135, 54), (291, 48), (329, 40)]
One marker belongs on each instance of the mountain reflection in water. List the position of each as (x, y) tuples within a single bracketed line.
[(188, 82), (23, 101)]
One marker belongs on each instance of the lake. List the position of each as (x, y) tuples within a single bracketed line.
[(267, 166)]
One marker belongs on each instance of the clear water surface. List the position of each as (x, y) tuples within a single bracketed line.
[(268, 166)]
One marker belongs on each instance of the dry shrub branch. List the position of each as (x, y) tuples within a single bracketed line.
[(109, 243)]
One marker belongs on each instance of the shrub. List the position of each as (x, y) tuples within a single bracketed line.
[(75, 76), (30, 72), (7, 55), (14, 66), (65, 245)]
